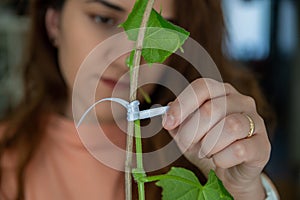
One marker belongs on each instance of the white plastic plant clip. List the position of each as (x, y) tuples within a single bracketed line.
[(133, 111)]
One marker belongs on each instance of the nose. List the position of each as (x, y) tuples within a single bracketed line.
[(121, 62), (124, 47)]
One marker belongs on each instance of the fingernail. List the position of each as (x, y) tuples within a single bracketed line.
[(201, 154), (168, 121)]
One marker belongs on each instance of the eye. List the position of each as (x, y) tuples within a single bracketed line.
[(104, 20)]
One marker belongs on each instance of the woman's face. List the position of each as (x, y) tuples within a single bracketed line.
[(80, 26)]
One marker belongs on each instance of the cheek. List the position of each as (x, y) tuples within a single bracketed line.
[(77, 40), (71, 55)]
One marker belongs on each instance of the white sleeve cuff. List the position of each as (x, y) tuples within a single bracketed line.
[(271, 192)]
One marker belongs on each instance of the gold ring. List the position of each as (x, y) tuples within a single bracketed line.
[(251, 125)]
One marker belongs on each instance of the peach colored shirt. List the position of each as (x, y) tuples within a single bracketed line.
[(63, 169)]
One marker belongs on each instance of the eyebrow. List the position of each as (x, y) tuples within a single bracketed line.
[(107, 4)]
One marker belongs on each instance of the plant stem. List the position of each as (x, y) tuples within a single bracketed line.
[(133, 94), (138, 145), (139, 158), (128, 162)]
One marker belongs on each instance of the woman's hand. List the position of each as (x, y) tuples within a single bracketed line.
[(210, 125)]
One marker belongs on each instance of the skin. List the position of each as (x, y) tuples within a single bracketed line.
[(221, 144), (79, 28), (216, 109)]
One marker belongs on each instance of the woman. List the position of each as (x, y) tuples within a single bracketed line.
[(42, 158)]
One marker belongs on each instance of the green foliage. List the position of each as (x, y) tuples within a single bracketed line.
[(162, 38), (181, 184)]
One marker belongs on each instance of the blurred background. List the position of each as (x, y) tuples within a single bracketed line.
[(263, 34)]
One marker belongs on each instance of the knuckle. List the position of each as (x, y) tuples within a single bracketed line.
[(200, 83), (250, 101), (239, 150), (228, 87), (206, 83)]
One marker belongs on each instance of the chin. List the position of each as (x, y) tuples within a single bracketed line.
[(110, 112)]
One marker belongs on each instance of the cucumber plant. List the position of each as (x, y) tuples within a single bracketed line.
[(149, 29)]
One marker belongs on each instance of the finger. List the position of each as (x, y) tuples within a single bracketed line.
[(189, 132), (213, 111), (230, 129), (208, 115), (192, 97), (254, 152)]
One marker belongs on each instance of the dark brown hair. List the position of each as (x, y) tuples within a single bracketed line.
[(45, 89)]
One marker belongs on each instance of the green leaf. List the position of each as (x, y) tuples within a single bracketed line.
[(159, 44), (214, 188), (179, 184), (182, 184), (134, 19), (162, 38)]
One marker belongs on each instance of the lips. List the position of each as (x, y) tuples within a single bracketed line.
[(113, 82)]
